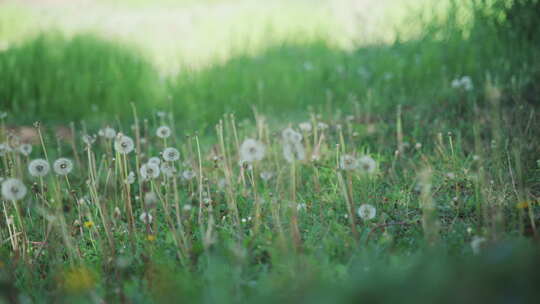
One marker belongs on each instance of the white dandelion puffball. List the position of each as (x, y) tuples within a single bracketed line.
[(168, 169), (266, 175), (367, 164), (25, 149), (252, 150), (150, 199), (146, 218), (89, 139), (293, 151), (130, 178), (348, 162), (322, 126), (163, 132), (464, 83), (188, 174), (63, 166), (456, 83), (154, 160), (305, 126), (13, 189), (123, 144), (171, 154), (107, 132), (367, 212), (222, 183), (290, 135), (4, 148), (477, 243), (38, 167), (149, 171)]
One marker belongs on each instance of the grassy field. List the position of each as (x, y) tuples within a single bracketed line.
[(310, 168)]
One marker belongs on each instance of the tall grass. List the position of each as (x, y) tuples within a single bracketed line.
[(52, 77), (286, 78)]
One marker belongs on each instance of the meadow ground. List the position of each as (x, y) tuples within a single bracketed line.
[(301, 166)]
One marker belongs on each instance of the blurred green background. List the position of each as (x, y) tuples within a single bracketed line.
[(71, 60), (85, 59)]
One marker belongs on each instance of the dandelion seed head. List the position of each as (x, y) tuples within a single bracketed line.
[(107, 132), (266, 175), (464, 83), (348, 162), (171, 154), (293, 151), (305, 126), (13, 189), (168, 169), (188, 174), (322, 126), (367, 164), (252, 150), (149, 171), (146, 218), (123, 144), (477, 244), (38, 167), (89, 139), (150, 199), (25, 149), (222, 183), (130, 178), (117, 213), (366, 212), (154, 160), (163, 132), (290, 135), (63, 166), (4, 149)]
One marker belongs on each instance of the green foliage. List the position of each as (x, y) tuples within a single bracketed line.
[(480, 144), (51, 78)]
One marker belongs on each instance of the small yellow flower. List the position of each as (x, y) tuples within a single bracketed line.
[(151, 238), (88, 224)]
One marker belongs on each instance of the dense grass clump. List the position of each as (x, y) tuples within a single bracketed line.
[(54, 78)]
